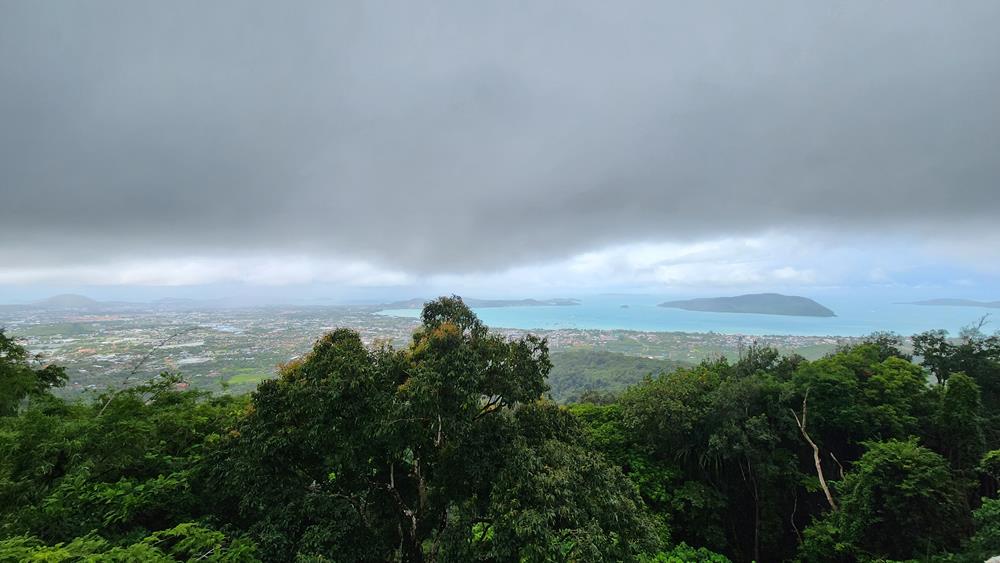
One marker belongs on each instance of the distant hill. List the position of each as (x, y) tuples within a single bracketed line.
[(956, 303), (418, 303), (177, 301), (67, 301), (755, 303), (75, 301), (575, 372)]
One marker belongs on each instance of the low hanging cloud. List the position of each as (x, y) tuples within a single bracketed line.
[(769, 262), (453, 138), (200, 270)]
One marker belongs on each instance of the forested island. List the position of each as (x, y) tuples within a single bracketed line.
[(447, 449), (755, 303)]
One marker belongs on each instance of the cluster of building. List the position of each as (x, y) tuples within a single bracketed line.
[(241, 346)]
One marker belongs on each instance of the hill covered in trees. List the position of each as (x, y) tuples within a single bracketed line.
[(445, 450), (596, 375), (755, 303)]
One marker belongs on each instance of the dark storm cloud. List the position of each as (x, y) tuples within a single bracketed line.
[(460, 136)]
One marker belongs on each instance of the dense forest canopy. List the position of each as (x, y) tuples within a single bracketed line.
[(451, 450), (588, 375)]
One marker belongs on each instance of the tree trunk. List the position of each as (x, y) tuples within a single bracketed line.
[(816, 457), (412, 550)]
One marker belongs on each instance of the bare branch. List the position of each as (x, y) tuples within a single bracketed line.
[(437, 440), (138, 365), (816, 457), (491, 405), (795, 507), (841, 467)]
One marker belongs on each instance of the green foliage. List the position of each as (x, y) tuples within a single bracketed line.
[(184, 542), (447, 451), (936, 352), (67, 469), (707, 445), (899, 501), (20, 379), (716, 450), (683, 553), (888, 345), (582, 375), (956, 423), (973, 353), (985, 543), (556, 501), (857, 395), (361, 454), (990, 464)]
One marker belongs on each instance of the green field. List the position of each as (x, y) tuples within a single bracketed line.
[(245, 375)]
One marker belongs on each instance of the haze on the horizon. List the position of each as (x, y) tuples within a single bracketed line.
[(542, 148)]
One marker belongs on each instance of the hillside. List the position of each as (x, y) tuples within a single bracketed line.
[(755, 303), (575, 372)]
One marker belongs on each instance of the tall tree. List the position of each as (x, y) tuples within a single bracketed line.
[(957, 424), (21, 376), (899, 501), (423, 454)]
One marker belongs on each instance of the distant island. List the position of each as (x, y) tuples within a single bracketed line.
[(418, 303), (755, 303), (956, 303)]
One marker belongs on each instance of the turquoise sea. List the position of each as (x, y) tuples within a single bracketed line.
[(855, 317)]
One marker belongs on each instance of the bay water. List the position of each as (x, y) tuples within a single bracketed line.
[(856, 316)]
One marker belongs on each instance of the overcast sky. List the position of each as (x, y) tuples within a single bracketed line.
[(543, 147)]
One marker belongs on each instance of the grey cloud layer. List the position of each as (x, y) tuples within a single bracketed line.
[(463, 136)]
